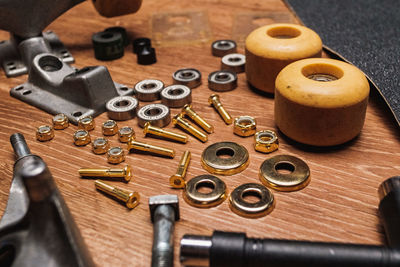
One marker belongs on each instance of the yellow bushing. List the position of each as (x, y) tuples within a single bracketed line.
[(321, 101), (270, 48)]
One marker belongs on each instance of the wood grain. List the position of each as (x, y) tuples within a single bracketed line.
[(340, 204)]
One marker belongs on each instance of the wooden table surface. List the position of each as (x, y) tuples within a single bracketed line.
[(340, 203)]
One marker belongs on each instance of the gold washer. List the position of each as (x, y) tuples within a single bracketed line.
[(237, 160), (241, 207), (296, 180), (205, 200)]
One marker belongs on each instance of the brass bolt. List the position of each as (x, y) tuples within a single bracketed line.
[(149, 129), (157, 150), (185, 125), (131, 199), (178, 179), (188, 111), (216, 103), (125, 173)]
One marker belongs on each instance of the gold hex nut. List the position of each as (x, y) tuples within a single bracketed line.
[(81, 138), (44, 133), (110, 127), (60, 121), (244, 126), (115, 155), (86, 123), (100, 146), (266, 141), (131, 199), (125, 134)]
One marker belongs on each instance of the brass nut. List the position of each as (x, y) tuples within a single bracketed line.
[(44, 133), (125, 134), (86, 123), (60, 121), (115, 155), (81, 138), (266, 141), (100, 145), (244, 126), (110, 127)]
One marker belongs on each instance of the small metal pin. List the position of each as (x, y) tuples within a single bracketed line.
[(178, 179), (157, 150), (149, 129), (131, 199), (125, 173), (216, 103), (185, 125), (188, 111)]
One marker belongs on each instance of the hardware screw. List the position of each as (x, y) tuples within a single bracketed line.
[(125, 173), (149, 129), (216, 103), (131, 199), (178, 179), (188, 111), (185, 125), (157, 150), (164, 211)]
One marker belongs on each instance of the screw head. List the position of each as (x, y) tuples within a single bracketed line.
[(176, 181), (133, 200), (128, 173)]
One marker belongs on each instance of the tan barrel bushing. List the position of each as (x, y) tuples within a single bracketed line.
[(321, 102), (270, 48)]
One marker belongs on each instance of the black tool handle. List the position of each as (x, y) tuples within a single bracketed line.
[(235, 249)]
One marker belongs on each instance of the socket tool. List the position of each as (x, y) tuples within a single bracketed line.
[(225, 249), (164, 211), (37, 228)]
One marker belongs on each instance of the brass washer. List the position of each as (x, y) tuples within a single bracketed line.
[(205, 200), (296, 180), (213, 163), (240, 206)]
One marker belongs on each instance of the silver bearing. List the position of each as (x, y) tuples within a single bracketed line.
[(157, 114), (148, 90), (176, 96), (189, 77), (222, 80), (221, 48), (122, 108), (233, 62)]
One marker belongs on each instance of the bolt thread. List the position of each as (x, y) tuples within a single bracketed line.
[(19, 145)]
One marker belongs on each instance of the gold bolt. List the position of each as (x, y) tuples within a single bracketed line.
[(162, 151), (185, 125), (125, 173), (149, 129), (188, 111), (216, 103), (178, 179), (131, 199)]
